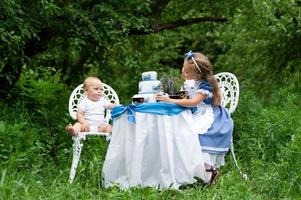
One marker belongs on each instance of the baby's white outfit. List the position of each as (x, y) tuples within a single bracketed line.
[(94, 112)]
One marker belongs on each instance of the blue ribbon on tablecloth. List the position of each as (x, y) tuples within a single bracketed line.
[(160, 108)]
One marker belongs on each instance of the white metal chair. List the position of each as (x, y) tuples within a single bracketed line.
[(229, 86), (76, 96)]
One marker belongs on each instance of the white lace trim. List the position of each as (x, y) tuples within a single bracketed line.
[(203, 118), (214, 148), (205, 92)]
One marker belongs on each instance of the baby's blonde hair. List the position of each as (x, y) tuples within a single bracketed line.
[(89, 80)]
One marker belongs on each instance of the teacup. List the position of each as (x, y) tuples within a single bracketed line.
[(138, 99), (175, 96)]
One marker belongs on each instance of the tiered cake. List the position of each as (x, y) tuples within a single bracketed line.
[(148, 87)]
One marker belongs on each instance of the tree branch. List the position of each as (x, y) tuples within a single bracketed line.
[(186, 22), (179, 23)]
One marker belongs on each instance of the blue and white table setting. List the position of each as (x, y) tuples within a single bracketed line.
[(153, 145)]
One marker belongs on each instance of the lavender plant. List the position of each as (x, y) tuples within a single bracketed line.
[(170, 84)]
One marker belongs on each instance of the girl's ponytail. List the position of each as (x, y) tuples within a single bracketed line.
[(217, 97)]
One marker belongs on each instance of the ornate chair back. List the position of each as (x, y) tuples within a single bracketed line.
[(229, 86)]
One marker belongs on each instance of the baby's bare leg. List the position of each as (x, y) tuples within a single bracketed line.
[(107, 128), (73, 130)]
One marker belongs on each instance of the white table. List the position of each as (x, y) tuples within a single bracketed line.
[(158, 150)]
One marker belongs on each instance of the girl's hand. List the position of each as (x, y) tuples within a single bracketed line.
[(162, 98)]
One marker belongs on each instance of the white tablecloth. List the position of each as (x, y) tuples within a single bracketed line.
[(160, 151)]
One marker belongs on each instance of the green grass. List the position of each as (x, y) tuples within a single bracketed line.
[(51, 182)]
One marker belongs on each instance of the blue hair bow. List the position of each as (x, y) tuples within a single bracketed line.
[(189, 54)]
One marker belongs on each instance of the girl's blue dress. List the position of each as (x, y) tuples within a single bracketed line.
[(213, 123)]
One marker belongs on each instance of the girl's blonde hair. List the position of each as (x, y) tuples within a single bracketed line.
[(204, 72)]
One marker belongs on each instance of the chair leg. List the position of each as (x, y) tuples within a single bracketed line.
[(245, 176), (77, 148)]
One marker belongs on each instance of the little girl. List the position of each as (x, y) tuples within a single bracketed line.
[(90, 113), (213, 122)]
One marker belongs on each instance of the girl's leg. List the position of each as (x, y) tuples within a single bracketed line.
[(211, 170)]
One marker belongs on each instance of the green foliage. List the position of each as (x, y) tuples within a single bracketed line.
[(17, 143), (18, 25), (266, 44), (41, 86), (31, 130)]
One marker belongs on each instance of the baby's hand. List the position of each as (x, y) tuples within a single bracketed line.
[(85, 127)]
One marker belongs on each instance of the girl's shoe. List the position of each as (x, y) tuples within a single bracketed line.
[(214, 175)]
